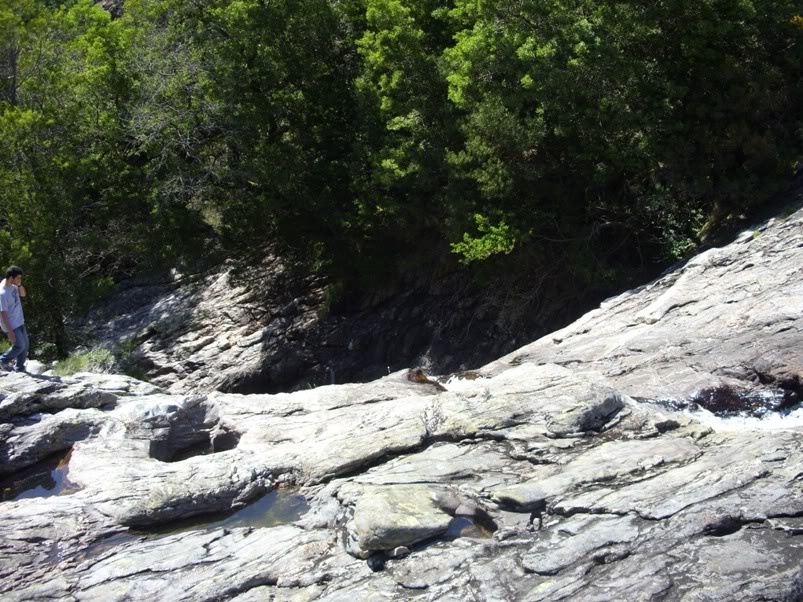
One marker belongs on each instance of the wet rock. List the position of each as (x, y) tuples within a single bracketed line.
[(791, 526)]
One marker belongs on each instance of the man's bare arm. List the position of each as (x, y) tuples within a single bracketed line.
[(7, 323)]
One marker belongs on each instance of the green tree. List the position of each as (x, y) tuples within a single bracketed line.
[(68, 215), (365, 135), (638, 119), (244, 115)]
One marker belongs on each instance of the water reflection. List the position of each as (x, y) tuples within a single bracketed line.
[(467, 526), (279, 507), (44, 479)]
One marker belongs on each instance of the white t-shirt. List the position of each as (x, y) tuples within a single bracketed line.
[(10, 303)]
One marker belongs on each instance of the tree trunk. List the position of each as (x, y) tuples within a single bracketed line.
[(8, 74)]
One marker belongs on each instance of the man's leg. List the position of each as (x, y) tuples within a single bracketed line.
[(22, 334), (11, 354)]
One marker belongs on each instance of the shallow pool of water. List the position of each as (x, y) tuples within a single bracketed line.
[(466, 526), (279, 507), (44, 479)]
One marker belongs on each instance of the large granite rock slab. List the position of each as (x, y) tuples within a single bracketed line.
[(386, 518), (607, 462), (583, 467), (729, 316)]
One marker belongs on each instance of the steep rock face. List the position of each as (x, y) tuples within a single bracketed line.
[(267, 329), (727, 320), (581, 467)]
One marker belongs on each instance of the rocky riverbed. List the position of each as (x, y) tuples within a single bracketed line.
[(653, 450)]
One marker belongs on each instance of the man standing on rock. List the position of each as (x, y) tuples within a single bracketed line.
[(12, 322)]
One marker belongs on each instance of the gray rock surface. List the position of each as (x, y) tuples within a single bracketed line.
[(268, 329), (390, 517), (578, 468), (729, 316)]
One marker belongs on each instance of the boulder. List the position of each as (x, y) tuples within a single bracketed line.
[(386, 518)]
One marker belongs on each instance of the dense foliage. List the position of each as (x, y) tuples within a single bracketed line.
[(366, 136)]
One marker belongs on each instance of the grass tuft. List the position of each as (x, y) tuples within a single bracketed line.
[(99, 360)]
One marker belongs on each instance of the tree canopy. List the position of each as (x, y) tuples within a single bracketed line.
[(365, 135)]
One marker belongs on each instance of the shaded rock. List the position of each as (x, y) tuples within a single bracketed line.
[(376, 562), (753, 564), (267, 328), (44, 435), (712, 322)]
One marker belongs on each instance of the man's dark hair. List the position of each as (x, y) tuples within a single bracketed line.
[(13, 272)]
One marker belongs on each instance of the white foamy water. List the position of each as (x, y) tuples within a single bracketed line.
[(770, 421), (460, 383)]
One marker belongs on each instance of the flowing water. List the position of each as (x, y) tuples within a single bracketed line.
[(749, 417)]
